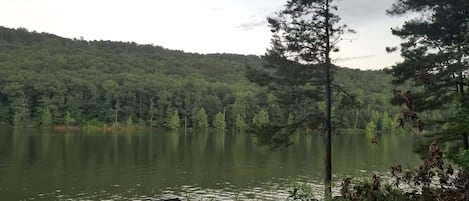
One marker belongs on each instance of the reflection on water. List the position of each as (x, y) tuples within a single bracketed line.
[(45, 165)]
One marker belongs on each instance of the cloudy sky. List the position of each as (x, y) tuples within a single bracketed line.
[(202, 26)]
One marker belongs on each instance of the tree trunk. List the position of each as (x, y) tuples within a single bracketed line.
[(151, 121), (461, 84), (328, 135), (465, 142), (356, 120)]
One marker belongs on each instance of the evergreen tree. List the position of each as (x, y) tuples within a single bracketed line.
[(299, 68), (435, 56)]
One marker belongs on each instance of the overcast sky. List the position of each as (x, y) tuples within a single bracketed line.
[(202, 26)]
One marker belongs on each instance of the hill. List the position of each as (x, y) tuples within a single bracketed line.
[(46, 79)]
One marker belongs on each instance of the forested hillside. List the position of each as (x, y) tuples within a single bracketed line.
[(46, 80)]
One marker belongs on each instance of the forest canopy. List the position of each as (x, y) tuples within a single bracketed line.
[(46, 80)]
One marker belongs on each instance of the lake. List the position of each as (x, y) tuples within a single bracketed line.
[(152, 165)]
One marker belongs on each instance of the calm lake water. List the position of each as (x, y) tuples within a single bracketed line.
[(48, 165)]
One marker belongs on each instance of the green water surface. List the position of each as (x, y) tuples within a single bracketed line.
[(144, 165)]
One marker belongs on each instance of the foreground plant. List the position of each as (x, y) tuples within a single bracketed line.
[(433, 180)]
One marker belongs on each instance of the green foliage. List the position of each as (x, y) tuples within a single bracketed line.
[(434, 59), (46, 118), (4, 113), (172, 122), (435, 51), (386, 122), (299, 71), (370, 128), (69, 120), (152, 112), (375, 118), (240, 124), (18, 118), (457, 123), (116, 79), (459, 119), (366, 191), (219, 121), (291, 118), (201, 120), (434, 180), (436, 115), (261, 118), (119, 80), (301, 192), (459, 157), (240, 111), (434, 48), (129, 122)]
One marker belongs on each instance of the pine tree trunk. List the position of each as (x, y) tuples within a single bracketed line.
[(461, 84), (328, 135), (465, 142)]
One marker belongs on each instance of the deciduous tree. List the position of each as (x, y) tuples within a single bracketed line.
[(219, 122), (201, 120)]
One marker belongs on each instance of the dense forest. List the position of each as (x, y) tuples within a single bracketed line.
[(49, 80)]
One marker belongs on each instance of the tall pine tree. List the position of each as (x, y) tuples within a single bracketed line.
[(299, 71), (436, 53)]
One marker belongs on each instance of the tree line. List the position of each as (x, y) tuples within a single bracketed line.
[(48, 80)]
